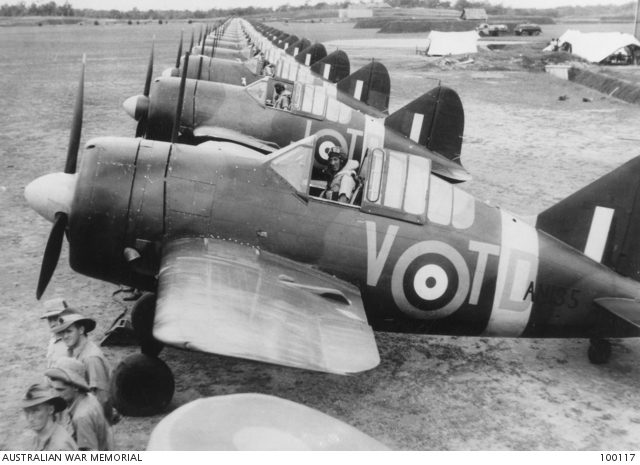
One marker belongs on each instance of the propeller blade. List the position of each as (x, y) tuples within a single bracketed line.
[(147, 82), (141, 128), (76, 125), (51, 252), (183, 82), (179, 50), (199, 75)]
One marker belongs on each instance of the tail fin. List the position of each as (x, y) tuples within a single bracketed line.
[(311, 54), (370, 84), (334, 67), (435, 120), (298, 46), (602, 220)]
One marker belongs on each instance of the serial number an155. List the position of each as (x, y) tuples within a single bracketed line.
[(619, 457)]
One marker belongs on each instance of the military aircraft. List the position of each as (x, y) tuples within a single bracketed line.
[(431, 125), (255, 422), (241, 256), (333, 67)]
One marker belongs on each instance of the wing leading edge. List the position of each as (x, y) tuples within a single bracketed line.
[(230, 299)]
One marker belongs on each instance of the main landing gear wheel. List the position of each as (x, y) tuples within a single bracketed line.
[(142, 316), (141, 386), (599, 351)]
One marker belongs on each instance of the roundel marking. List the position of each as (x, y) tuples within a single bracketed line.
[(325, 139), (430, 280)]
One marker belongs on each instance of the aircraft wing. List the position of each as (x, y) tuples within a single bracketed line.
[(219, 133), (225, 298), (627, 309), (255, 422)]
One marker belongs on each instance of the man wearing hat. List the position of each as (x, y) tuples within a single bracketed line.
[(73, 329), (91, 430), (40, 406), (341, 176), (56, 347)]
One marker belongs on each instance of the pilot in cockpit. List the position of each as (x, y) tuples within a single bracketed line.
[(282, 97), (342, 176)]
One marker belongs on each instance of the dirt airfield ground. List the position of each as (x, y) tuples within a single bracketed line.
[(525, 148)]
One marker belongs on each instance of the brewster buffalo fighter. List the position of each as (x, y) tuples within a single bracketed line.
[(246, 259)]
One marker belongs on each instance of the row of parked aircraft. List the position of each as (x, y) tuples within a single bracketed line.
[(214, 210)]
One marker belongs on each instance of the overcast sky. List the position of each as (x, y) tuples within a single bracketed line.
[(208, 4)]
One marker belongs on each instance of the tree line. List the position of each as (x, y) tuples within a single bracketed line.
[(53, 9)]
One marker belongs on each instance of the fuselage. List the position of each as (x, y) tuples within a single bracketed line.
[(441, 262), (336, 119)]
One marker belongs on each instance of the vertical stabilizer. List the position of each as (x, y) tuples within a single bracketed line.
[(334, 67), (370, 84), (602, 220), (434, 120)]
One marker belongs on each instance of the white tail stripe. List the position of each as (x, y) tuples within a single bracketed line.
[(358, 92), (307, 59), (599, 232), (416, 127), (327, 71), (296, 51)]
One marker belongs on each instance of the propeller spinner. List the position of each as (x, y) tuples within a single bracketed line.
[(138, 106)]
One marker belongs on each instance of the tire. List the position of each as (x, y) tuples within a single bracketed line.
[(142, 316), (142, 386), (599, 351)]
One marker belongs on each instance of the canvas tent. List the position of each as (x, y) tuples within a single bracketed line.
[(452, 43), (595, 46)]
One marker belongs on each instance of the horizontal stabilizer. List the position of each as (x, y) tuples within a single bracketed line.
[(370, 84), (627, 309), (434, 120)]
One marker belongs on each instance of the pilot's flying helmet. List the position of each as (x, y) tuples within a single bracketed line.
[(337, 151)]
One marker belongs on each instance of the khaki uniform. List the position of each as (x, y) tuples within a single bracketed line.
[(56, 439), (98, 372), (55, 350), (91, 430)]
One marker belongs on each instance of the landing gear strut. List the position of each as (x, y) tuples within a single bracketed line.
[(142, 384), (142, 316), (599, 351)]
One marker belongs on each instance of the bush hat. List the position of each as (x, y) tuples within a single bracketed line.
[(53, 307), (39, 394), (67, 318), (71, 371)]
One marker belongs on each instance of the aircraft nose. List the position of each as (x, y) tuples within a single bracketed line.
[(51, 193), (171, 72), (136, 106)]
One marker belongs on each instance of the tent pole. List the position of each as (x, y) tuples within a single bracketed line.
[(635, 24)]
